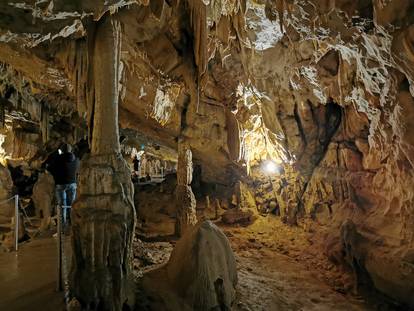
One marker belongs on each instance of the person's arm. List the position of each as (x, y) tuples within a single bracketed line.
[(77, 165)]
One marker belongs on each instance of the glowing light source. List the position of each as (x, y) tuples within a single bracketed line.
[(270, 167), (2, 152), (2, 138)]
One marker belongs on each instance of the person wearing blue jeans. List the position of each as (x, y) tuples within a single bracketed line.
[(66, 194), (64, 167)]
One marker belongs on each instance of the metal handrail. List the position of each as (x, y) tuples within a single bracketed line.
[(8, 200), (59, 285), (16, 221)]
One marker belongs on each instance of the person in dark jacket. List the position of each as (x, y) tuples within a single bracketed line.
[(64, 168), (135, 161)]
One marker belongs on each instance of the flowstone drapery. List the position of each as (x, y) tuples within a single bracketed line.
[(104, 215)]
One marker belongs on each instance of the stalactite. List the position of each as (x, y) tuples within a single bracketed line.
[(81, 75), (280, 5), (44, 123), (198, 12)]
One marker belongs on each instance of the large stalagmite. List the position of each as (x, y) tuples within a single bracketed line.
[(200, 275), (104, 214), (186, 203)]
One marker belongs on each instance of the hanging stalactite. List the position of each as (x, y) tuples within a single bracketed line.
[(198, 14), (44, 123), (81, 75)]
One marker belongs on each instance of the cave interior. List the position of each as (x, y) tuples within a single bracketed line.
[(226, 155)]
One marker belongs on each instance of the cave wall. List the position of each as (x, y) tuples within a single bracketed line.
[(361, 171)]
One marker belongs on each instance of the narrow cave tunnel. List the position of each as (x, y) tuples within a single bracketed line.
[(206, 155)]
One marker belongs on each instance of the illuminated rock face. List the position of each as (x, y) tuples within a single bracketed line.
[(356, 179), (329, 96)]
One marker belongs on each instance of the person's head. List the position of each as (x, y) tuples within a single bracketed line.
[(66, 148)]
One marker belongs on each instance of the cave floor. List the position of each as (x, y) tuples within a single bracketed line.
[(28, 277), (277, 272), (279, 268)]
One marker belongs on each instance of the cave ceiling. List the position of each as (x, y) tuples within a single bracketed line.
[(241, 81)]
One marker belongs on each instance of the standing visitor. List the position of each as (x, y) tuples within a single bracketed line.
[(64, 168), (135, 161)]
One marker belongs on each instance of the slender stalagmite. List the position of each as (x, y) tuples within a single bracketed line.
[(186, 203), (103, 215)]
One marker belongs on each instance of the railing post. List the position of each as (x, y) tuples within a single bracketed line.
[(16, 222), (59, 248)]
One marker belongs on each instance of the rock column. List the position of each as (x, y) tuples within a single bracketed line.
[(186, 203), (104, 215)]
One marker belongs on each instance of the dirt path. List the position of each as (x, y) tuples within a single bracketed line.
[(28, 278), (279, 268), (272, 276), (276, 283)]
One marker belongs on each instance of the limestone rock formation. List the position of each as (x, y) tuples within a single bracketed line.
[(103, 224), (245, 197), (6, 185), (8, 213), (186, 202), (237, 216), (7, 209), (103, 215), (43, 195), (345, 131), (245, 209), (156, 208), (200, 275)]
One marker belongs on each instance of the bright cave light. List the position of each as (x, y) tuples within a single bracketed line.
[(2, 151), (2, 138), (270, 167)]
